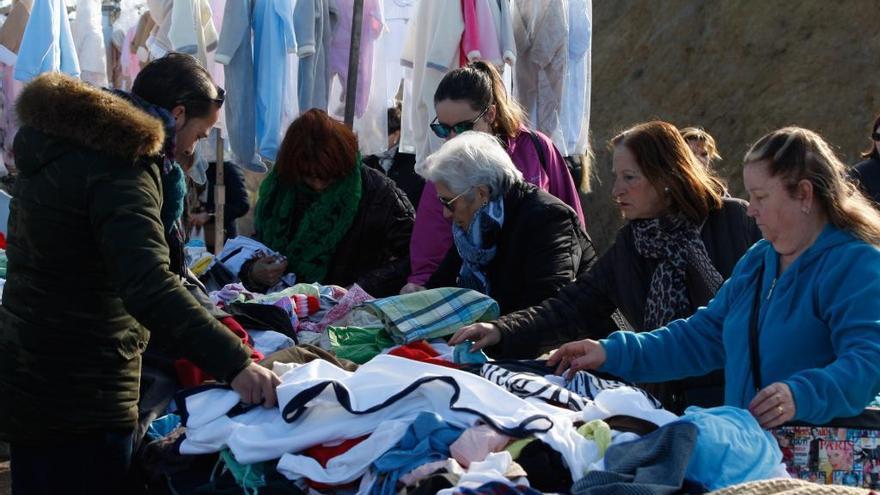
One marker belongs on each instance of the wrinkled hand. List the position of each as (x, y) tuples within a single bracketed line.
[(267, 272), (410, 288), (256, 384), (481, 334), (575, 356), (773, 405)]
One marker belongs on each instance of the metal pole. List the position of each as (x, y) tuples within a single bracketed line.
[(353, 62), (219, 198)]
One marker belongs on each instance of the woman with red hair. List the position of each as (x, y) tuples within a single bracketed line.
[(334, 220)]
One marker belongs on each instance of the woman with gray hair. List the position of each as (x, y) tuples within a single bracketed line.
[(513, 242)]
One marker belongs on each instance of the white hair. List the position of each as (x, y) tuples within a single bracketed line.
[(471, 159)]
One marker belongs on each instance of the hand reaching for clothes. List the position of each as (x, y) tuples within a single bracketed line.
[(773, 405), (256, 384), (481, 334), (268, 270), (576, 356), (410, 288)]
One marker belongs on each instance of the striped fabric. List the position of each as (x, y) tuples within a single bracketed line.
[(432, 313)]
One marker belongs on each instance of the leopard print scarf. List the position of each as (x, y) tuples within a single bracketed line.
[(675, 241)]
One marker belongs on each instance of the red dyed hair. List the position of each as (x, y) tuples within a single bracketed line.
[(316, 146)]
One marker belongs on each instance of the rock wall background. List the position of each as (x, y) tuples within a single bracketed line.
[(738, 68)]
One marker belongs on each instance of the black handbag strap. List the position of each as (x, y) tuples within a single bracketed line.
[(539, 149), (754, 352)]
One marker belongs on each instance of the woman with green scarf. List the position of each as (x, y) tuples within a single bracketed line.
[(333, 220)]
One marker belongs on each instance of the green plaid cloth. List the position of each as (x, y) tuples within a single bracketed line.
[(432, 313)]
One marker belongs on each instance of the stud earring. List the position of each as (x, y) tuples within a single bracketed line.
[(666, 189)]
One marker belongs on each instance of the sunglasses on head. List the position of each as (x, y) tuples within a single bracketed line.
[(875, 136), (221, 97), (443, 131), (449, 204)]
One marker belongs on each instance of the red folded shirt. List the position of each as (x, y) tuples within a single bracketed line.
[(190, 375), (421, 350)]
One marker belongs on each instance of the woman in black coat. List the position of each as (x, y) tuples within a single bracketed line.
[(333, 220), (867, 173), (513, 242), (681, 241)]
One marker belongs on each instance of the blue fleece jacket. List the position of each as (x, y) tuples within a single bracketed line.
[(819, 331)]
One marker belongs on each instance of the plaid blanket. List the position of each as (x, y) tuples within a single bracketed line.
[(432, 313)]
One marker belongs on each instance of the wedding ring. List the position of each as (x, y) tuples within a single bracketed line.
[(780, 409)]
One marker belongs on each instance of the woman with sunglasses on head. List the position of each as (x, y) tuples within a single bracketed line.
[(681, 241), (89, 279), (334, 220), (512, 241), (473, 98), (867, 172)]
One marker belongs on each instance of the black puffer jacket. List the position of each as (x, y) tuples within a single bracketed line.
[(89, 274), (374, 253), (541, 248)]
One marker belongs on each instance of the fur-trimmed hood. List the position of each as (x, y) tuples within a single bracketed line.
[(64, 107)]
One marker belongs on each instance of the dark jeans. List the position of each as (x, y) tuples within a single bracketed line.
[(96, 463)]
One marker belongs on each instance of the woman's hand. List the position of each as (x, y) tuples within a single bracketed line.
[(268, 270), (773, 405), (410, 288), (482, 334), (575, 356), (256, 384)]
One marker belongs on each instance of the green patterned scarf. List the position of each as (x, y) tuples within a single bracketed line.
[(323, 223)]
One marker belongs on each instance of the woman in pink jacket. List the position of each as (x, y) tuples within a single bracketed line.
[(473, 98)]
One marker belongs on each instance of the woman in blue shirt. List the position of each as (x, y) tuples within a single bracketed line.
[(814, 281)]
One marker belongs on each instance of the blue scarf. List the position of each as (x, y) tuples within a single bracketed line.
[(477, 246)]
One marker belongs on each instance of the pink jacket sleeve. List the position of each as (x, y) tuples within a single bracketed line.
[(561, 184), (431, 237)]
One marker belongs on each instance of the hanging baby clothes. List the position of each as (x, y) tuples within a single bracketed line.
[(340, 45), (13, 30), (184, 26), (88, 37), (47, 43), (397, 15), (273, 39), (431, 49), (480, 40), (504, 27), (541, 32), (314, 22), (575, 112), (235, 53)]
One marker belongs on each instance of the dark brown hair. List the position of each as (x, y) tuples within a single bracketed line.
[(667, 162), (795, 154), (316, 146), (872, 151), (177, 79), (480, 84)]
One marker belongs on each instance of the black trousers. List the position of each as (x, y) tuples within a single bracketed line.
[(96, 463)]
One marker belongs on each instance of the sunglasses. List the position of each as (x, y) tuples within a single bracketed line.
[(221, 97), (449, 203), (875, 136), (443, 131)]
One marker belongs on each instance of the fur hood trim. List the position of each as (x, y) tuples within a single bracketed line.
[(61, 106)]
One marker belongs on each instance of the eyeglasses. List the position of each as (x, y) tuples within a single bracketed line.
[(221, 97), (449, 203), (875, 136), (443, 131)]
